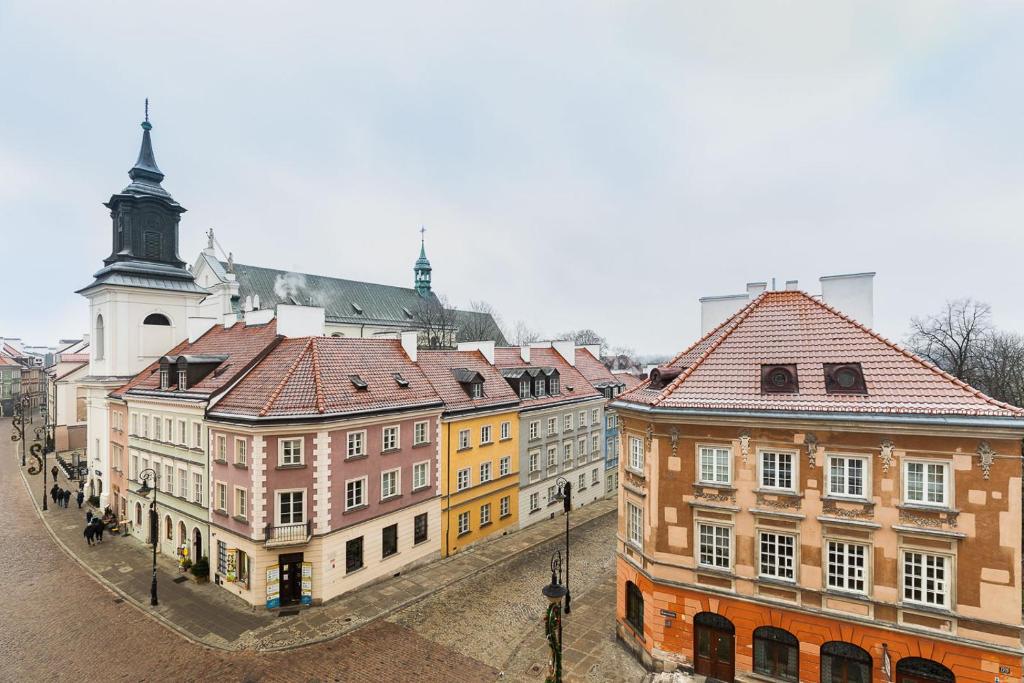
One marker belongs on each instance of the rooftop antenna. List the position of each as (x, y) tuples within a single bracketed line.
[(773, 284)]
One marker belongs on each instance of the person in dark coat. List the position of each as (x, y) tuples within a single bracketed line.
[(54, 471), (80, 497), (88, 516), (89, 533), (53, 492), (97, 525), (67, 497)]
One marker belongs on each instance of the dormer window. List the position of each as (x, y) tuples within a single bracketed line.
[(553, 384), (356, 308), (471, 381), (844, 378), (524, 388), (165, 381), (400, 381), (540, 386), (779, 379), (182, 380), (476, 389), (358, 382)]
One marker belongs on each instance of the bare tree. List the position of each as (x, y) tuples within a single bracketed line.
[(480, 323), (436, 322), (953, 338), (521, 334), (1000, 367), (622, 358), (586, 337)]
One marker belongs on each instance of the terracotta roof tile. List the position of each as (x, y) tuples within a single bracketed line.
[(311, 376), (722, 370), (594, 370), (438, 367), (573, 384)]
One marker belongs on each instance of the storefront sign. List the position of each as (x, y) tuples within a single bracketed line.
[(307, 583), (273, 586), (668, 613)]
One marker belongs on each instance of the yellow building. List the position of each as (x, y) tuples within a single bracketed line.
[(478, 447)]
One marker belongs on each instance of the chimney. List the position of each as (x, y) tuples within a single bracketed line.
[(197, 327), (755, 289), (298, 321), (851, 294), (524, 353), (595, 349), (484, 347), (716, 309), (259, 317), (566, 348), (792, 285), (410, 344)]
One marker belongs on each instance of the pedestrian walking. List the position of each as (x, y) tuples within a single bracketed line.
[(88, 516), (53, 471), (80, 497), (67, 497), (98, 529), (89, 533)]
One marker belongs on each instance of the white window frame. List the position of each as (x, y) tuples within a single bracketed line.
[(505, 466), (463, 479), (221, 444), (183, 483), (397, 473), (417, 466), (794, 469), (595, 416), (504, 506), (220, 496), (946, 483), (169, 429), (485, 435), (567, 422), (182, 432), (241, 449), (581, 419), (552, 426), (245, 494), (534, 501), (388, 434), (357, 437), (197, 488), (783, 564), (197, 434), (865, 480), (716, 535), (363, 492), (421, 433), (595, 477), (465, 440), (714, 451), (505, 431), (552, 461), (280, 451), (636, 454), (847, 555), (595, 445), (485, 472), (581, 448), (535, 429), (485, 514), (463, 521), (277, 506), (535, 461), (948, 572), (635, 525)]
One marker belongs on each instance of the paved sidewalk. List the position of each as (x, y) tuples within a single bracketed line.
[(208, 615)]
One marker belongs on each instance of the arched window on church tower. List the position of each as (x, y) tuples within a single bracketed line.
[(98, 341)]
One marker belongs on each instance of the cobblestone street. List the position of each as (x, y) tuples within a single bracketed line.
[(62, 624)]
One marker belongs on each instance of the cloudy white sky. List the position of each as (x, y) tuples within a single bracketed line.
[(576, 164)]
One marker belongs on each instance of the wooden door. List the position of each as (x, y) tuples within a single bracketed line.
[(291, 578), (714, 651)]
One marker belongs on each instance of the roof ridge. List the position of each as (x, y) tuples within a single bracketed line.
[(284, 380), (317, 383), (977, 393), (740, 316)]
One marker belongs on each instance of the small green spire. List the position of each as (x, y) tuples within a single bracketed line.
[(422, 268)]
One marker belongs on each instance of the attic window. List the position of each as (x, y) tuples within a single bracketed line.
[(844, 378), (476, 389), (401, 381), (357, 308), (165, 381), (358, 382), (156, 319), (779, 379), (524, 388), (408, 313), (182, 380), (553, 385)]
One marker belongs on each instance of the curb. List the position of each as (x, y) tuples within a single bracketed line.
[(171, 626), (104, 583)]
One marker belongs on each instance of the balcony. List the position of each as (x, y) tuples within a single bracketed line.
[(288, 534)]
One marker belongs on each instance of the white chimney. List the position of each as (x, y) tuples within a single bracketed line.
[(410, 344), (229, 320), (566, 348), (197, 327), (259, 317), (524, 353), (714, 310), (851, 294), (755, 289), (792, 285), (299, 321), (595, 349), (486, 348)]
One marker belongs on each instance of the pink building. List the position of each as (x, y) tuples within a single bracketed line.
[(323, 470)]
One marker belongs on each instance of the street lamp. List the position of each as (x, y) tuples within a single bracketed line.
[(554, 592), (145, 476), (45, 434), (22, 406), (565, 495)]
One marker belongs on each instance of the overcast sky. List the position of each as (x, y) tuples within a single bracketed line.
[(576, 164)]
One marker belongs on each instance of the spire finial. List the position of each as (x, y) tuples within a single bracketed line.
[(146, 125), (422, 230)]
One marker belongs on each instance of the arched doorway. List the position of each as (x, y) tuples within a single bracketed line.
[(197, 544), (919, 670), (182, 535), (844, 663), (714, 646), (169, 528), (776, 653)]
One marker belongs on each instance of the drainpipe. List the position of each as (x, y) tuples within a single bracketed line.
[(448, 496)]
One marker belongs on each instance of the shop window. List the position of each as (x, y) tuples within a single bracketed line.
[(635, 607), (776, 653), (844, 663)]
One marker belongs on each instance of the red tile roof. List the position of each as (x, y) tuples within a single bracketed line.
[(4, 360), (572, 383), (593, 369), (241, 344), (723, 369), (311, 376), (438, 366), (629, 379)]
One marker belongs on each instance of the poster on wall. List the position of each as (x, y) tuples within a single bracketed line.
[(307, 583), (273, 586), (232, 571)]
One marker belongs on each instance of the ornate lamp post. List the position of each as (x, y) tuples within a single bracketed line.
[(21, 408), (565, 495), (44, 434), (145, 476), (554, 592)]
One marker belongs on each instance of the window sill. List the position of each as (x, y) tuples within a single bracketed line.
[(464, 448), (463, 533), (790, 493), (391, 498), (355, 508), (534, 510), (299, 466), (715, 571), (240, 520), (222, 513), (486, 443), (928, 609), (922, 507), (389, 451), (350, 572), (420, 488), (388, 556), (421, 445), (861, 500), (361, 456), (420, 542), (220, 462), (775, 581), (635, 472), (713, 485), (241, 466), (846, 594), (485, 524), (505, 516), (507, 438)]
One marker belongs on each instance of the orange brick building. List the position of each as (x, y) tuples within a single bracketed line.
[(803, 500)]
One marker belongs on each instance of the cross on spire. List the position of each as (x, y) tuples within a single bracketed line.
[(422, 230)]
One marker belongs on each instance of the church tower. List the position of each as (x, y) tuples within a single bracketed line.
[(139, 301), (422, 269)]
